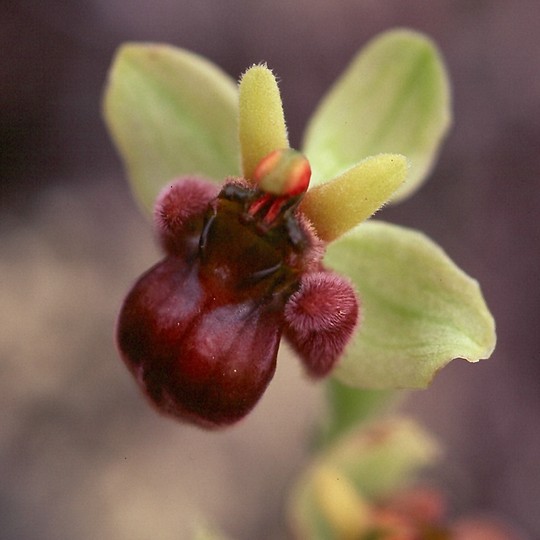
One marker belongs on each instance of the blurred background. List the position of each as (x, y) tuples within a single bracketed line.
[(81, 454)]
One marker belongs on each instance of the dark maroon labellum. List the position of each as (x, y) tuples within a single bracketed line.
[(200, 331)]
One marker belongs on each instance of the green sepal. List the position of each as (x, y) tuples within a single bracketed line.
[(393, 98), (171, 113), (418, 309)]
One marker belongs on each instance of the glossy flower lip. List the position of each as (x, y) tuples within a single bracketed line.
[(200, 330), (373, 138)]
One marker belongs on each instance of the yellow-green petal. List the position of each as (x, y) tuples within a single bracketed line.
[(262, 122), (362, 468), (339, 205), (393, 98), (171, 113), (419, 310)]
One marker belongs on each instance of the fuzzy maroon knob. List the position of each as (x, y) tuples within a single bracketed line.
[(321, 317)]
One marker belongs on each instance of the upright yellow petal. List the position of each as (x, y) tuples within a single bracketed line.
[(339, 205), (262, 122)]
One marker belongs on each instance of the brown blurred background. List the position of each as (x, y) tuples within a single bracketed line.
[(81, 455)]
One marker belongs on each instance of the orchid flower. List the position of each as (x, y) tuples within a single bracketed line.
[(371, 484), (263, 241)]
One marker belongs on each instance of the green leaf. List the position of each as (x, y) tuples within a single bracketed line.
[(333, 498), (171, 113), (419, 310), (393, 98), (262, 122)]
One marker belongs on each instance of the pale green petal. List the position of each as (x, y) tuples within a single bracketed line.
[(333, 498), (419, 310), (262, 122), (170, 113), (393, 98), (339, 205)]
